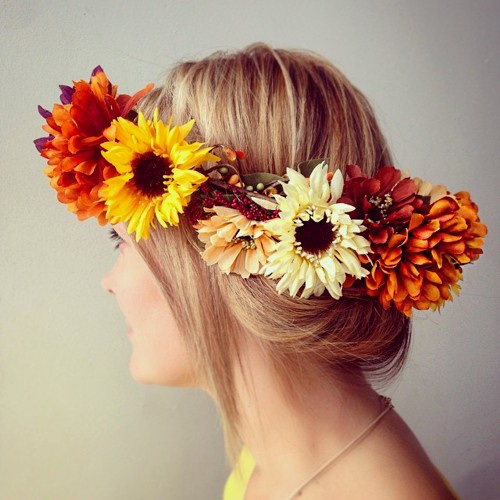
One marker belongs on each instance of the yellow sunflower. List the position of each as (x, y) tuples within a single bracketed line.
[(156, 172)]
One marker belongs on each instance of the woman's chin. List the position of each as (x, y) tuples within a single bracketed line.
[(144, 375), (138, 374)]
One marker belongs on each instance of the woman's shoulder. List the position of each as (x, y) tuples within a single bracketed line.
[(391, 464)]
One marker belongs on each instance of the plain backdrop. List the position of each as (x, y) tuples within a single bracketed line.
[(73, 425)]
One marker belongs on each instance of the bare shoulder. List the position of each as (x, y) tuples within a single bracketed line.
[(391, 464)]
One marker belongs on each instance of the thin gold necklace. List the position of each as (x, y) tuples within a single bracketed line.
[(388, 406)]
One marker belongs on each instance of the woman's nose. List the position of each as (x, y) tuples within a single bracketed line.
[(106, 283)]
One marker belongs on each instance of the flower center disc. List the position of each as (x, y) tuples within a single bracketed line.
[(247, 242), (149, 171), (315, 237)]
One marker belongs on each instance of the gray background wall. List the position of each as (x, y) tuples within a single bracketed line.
[(72, 423)]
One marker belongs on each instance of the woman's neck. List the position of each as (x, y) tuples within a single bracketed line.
[(291, 435)]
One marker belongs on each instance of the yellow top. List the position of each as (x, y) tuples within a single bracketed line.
[(237, 481)]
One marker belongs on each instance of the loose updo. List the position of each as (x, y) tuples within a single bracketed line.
[(281, 107)]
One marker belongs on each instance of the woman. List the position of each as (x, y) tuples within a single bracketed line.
[(284, 296)]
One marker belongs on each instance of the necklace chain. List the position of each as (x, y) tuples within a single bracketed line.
[(388, 406)]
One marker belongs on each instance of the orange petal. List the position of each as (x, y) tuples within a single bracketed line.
[(448, 238), (413, 286), (415, 221), (422, 304), (396, 240), (392, 257), (431, 292), (456, 248), (438, 257), (433, 277), (415, 244), (419, 259), (475, 243), (425, 231), (478, 229), (408, 269), (392, 284), (443, 206), (401, 292)]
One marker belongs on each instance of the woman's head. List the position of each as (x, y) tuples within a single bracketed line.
[(281, 108)]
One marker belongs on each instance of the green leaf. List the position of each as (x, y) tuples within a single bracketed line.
[(264, 177), (306, 167)]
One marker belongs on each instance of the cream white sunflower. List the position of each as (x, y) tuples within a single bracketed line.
[(234, 242), (319, 243)]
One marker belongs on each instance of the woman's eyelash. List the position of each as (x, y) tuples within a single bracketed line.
[(115, 237)]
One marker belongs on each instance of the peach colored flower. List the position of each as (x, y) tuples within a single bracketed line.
[(237, 244)]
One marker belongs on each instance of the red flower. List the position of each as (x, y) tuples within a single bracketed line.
[(385, 202), (76, 130)]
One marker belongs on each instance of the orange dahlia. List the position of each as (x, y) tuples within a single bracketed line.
[(76, 129), (421, 265)]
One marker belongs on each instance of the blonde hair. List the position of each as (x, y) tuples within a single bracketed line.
[(281, 107)]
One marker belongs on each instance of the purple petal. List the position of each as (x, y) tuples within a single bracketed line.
[(96, 70), (44, 112), (67, 94), (40, 143)]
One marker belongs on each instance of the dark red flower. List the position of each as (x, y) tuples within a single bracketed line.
[(385, 202)]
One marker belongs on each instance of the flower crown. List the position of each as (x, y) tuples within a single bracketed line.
[(398, 238)]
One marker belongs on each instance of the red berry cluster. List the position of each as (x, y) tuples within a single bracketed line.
[(237, 200), (209, 196), (195, 208)]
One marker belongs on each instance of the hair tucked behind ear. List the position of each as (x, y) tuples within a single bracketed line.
[(281, 107)]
